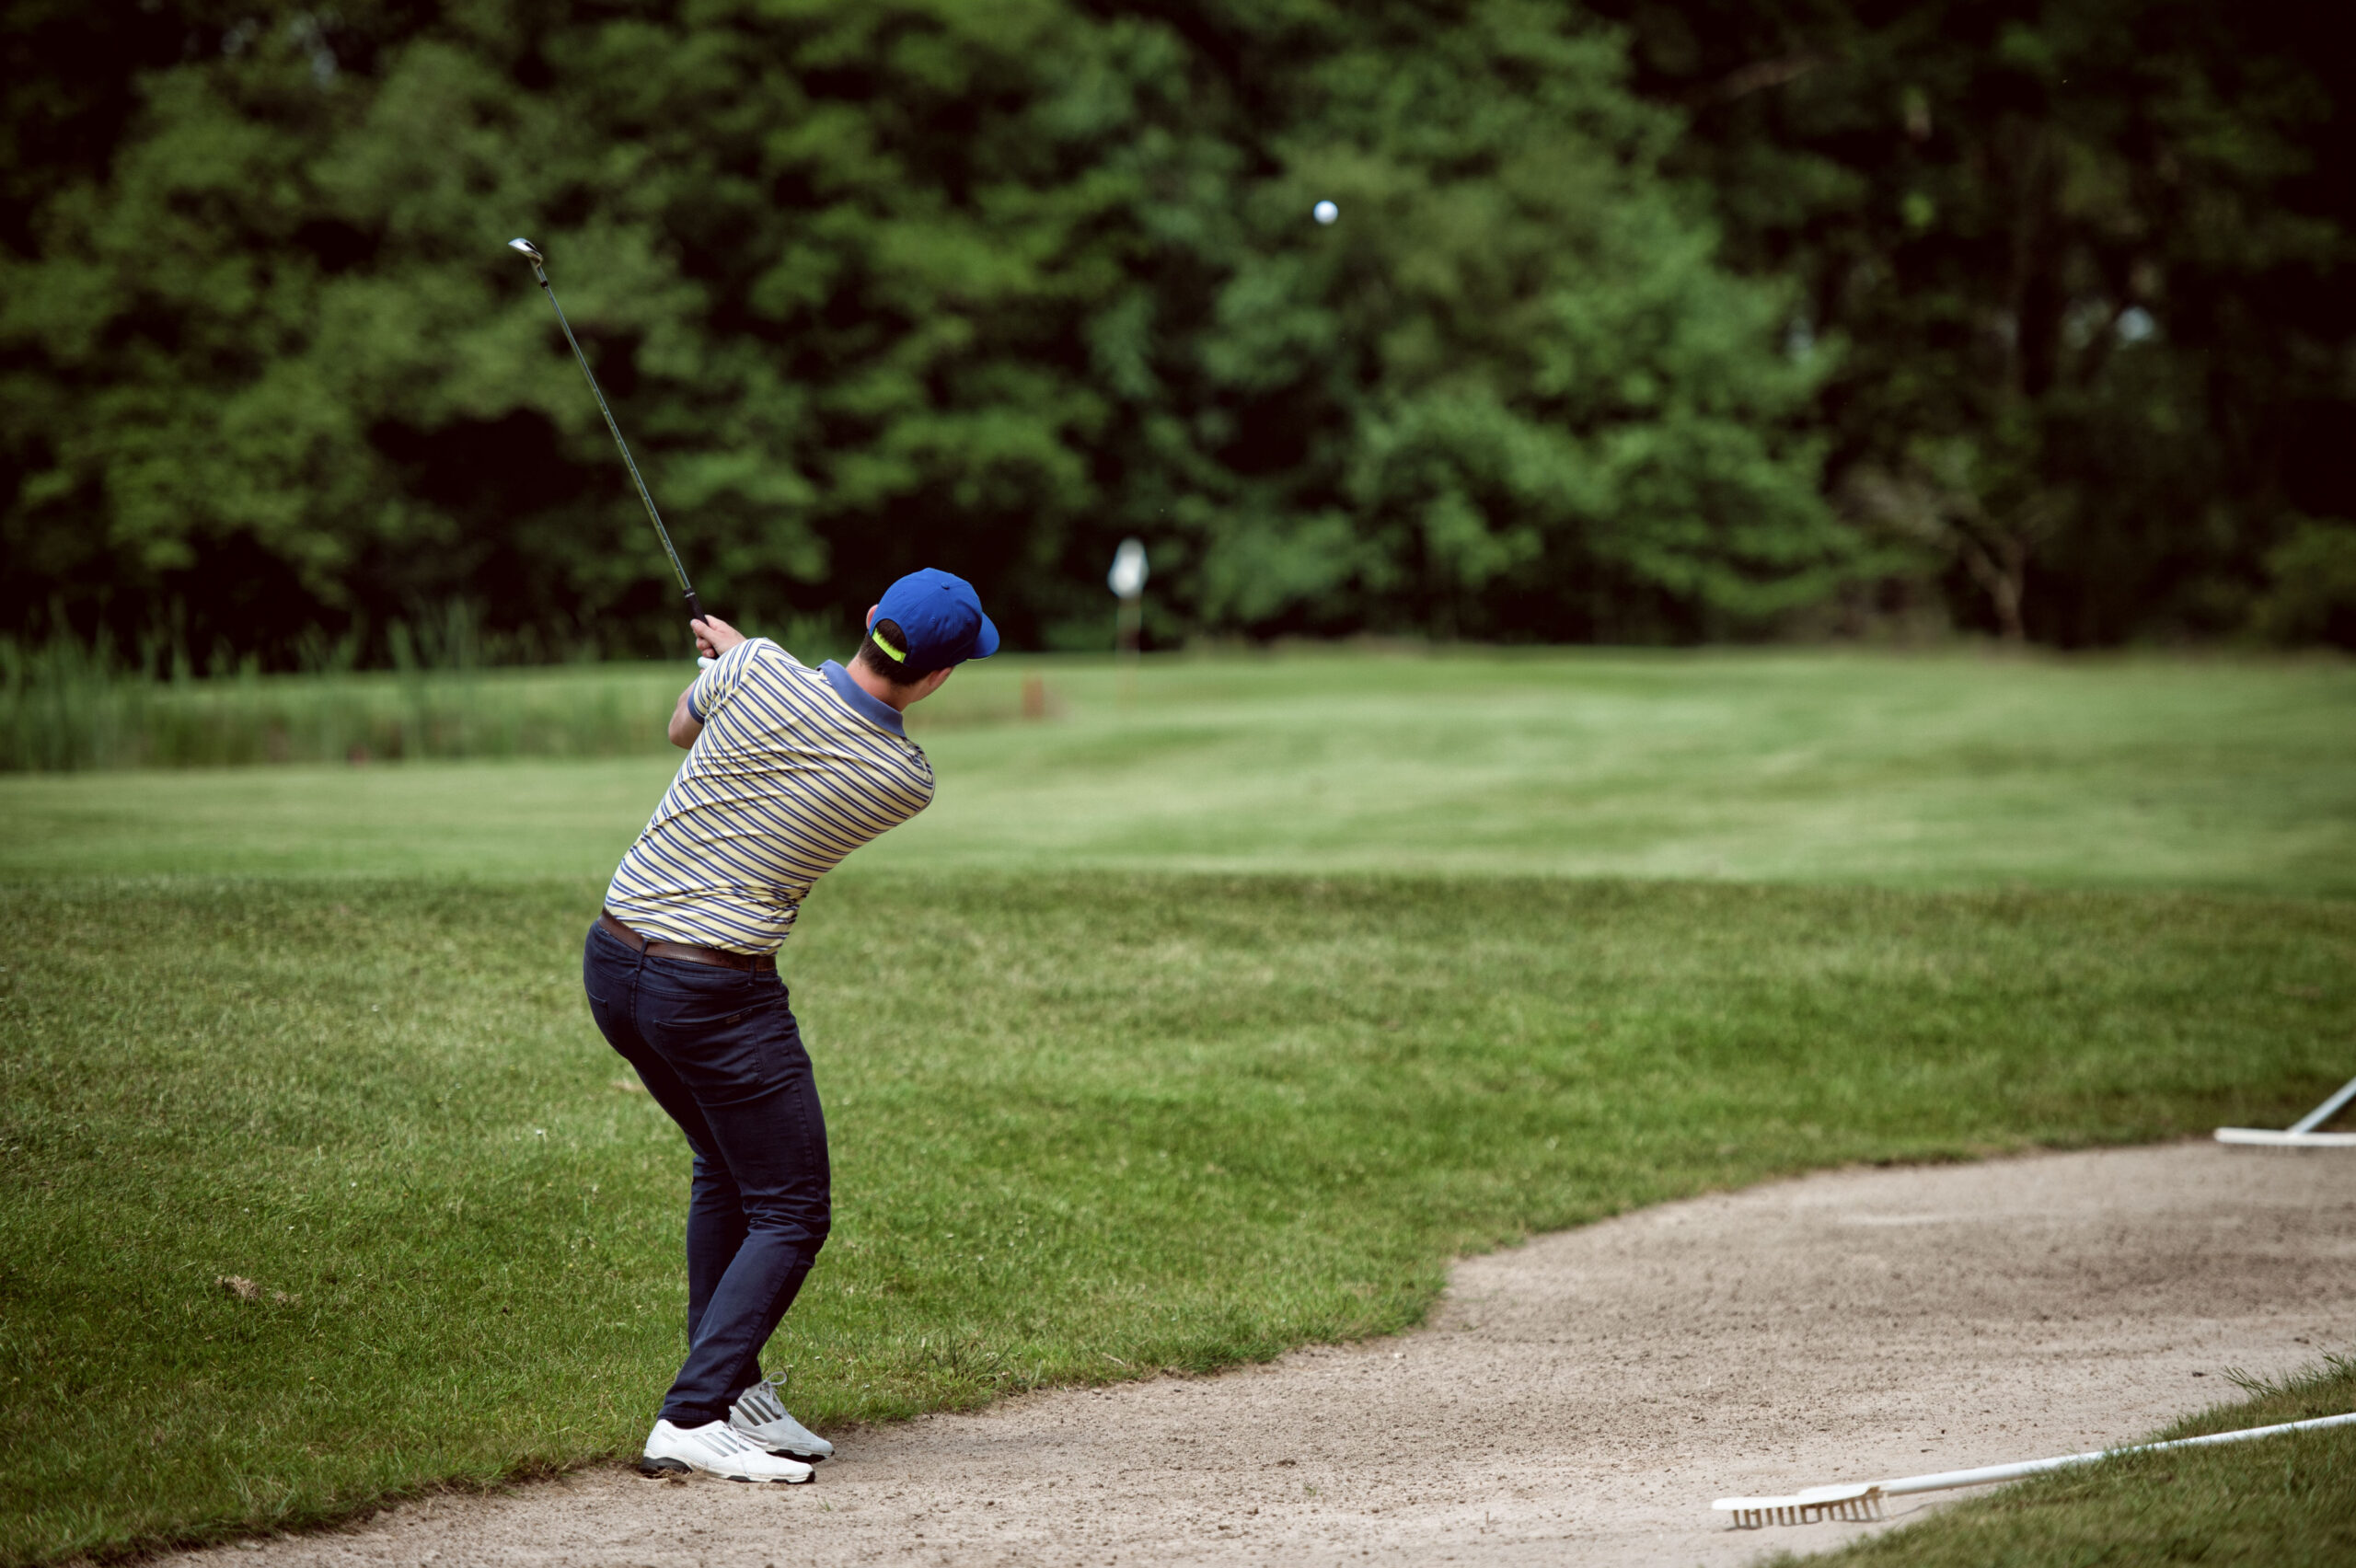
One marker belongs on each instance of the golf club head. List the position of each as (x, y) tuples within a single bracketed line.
[(531, 252)]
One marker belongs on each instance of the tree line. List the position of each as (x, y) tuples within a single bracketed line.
[(1639, 322)]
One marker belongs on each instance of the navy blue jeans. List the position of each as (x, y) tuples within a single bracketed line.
[(718, 1049)]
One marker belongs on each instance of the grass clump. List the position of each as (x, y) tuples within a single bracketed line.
[(2288, 1502), (1097, 1123)]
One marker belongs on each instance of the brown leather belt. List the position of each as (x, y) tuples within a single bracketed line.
[(719, 958)]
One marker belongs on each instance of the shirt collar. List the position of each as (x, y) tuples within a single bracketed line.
[(864, 703)]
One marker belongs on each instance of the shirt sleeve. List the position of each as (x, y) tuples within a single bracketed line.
[(716, 684)]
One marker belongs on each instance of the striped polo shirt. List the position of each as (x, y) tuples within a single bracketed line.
[(795, 768)]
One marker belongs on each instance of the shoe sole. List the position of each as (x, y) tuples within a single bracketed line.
[(680, 1467)]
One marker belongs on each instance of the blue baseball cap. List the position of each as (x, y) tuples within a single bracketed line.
[(942, 618)]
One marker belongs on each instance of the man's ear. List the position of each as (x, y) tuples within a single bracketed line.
[(872, 611)]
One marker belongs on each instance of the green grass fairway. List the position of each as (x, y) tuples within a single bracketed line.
[(1126, 1106), (1947, 771), (1108, 1123)]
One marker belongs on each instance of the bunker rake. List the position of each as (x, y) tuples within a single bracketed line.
[(1863, 1502), (2301, 1133)]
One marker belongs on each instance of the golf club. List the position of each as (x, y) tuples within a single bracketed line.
[(531, 253)]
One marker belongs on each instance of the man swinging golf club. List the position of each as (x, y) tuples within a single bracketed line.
[(788, 769)]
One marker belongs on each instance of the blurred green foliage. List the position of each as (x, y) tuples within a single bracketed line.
[(2089, 264), (1639, 323), (2315, 585), (877, 283)]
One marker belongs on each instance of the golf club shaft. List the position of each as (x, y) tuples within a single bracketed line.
[(695, 609)]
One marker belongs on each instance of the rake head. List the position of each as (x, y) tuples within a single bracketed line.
[(1857, 1505)]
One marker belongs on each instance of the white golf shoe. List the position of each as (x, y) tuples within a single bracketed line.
[(715, 1448), (760, 1415)]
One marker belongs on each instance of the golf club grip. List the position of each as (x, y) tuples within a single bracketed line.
[(695, 613)]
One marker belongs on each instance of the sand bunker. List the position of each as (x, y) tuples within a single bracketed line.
[(1580, 1399)]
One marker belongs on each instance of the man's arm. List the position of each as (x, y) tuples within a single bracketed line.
[(713, 638), (685, 725)]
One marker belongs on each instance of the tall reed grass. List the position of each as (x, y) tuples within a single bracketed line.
[(66, 705)]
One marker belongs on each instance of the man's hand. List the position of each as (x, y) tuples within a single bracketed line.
[(715, 636)]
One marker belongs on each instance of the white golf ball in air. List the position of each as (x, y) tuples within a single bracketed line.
[(1324, 212)]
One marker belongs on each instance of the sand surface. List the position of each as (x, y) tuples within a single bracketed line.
[(1579, 1400)]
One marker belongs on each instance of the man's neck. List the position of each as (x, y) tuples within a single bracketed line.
[(895, 698)]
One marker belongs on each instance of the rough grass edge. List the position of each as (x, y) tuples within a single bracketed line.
[(327, 1518), (2326, 1387)]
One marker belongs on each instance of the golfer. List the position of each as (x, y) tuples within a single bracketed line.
[(788, 769)]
